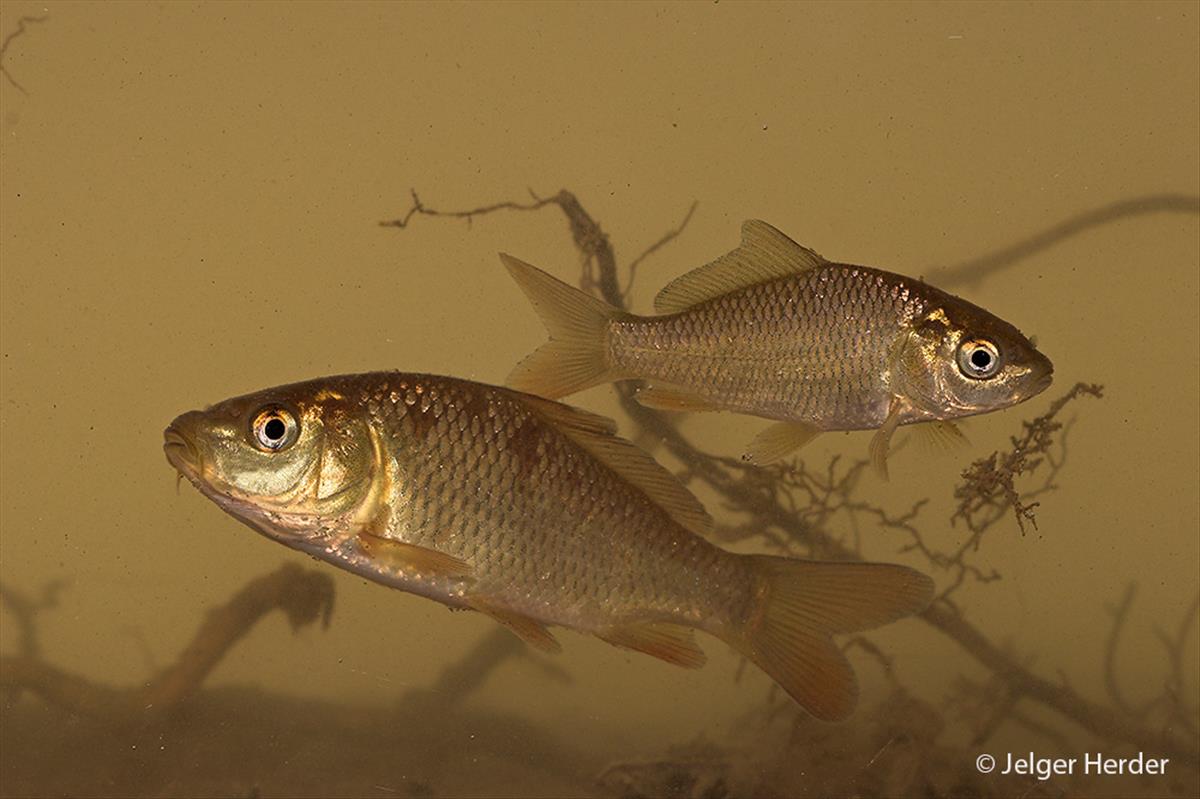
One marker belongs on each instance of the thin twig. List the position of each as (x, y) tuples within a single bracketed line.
[(1120, 613), (419, 208), (1177, 651), (666, 239), (885, 661), (21, 23), (974, 270)]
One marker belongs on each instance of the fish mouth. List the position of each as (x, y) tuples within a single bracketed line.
[(1039, 374), (181, 453), (1046, 377)]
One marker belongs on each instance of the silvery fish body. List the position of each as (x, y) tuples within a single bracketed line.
[(774, 330), (814, 347), (530, 511)]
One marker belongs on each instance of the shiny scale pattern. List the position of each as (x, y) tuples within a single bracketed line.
[(815, 347), (481, 476)]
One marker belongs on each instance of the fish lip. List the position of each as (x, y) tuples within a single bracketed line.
[(181, 453), (1047, 376)]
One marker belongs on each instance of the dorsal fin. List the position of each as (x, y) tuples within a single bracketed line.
[(764, 254), (598, 435)]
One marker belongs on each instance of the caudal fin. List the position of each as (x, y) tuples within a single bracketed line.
[(803, 603), (575, 357)]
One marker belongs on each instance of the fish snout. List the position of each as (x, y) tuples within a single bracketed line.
[(1044, 382), (179, 446), (1043, 370)]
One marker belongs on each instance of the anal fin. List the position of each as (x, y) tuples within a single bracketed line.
[(671, 398), (779, 440), (412, 558), (673, 643), (531, 631)]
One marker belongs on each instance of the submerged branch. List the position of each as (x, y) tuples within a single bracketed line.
[(1102, 721), (464, 676), (743, 490), (25, 610), (663, 241), (419, 207), (304, 597), (1120, 614), (1177, 650), (21, 28), (974, 270)]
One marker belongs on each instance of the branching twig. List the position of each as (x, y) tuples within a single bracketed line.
[(419, 208), (989, 484), (666, 239), (1104, 722)]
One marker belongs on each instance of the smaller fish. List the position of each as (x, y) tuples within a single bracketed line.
[(531, 512), (774, 330)]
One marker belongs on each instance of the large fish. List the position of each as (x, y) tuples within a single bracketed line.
[(530, 511), (774, 330)]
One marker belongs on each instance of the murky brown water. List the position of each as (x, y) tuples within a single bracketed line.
[(190, 198)]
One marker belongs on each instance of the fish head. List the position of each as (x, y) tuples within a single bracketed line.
[(959, 360), (291, 462)]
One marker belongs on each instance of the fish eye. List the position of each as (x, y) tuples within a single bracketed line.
[(978, 359), (274, 428)]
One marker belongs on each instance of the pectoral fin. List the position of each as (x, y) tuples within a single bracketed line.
[(882, 439), (529, 630), (940, 436), (779, 440), (670, 642), (412, 558)]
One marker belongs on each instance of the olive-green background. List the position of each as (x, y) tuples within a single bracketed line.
[(190, 203)]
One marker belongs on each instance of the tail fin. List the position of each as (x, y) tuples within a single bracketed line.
[(575, 358), (803, 603)]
